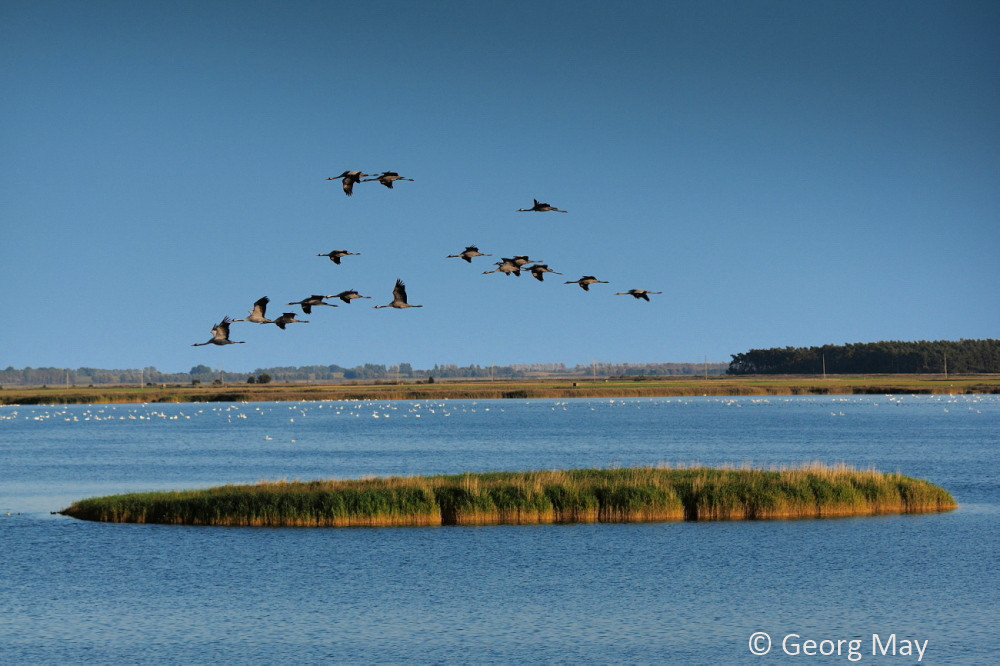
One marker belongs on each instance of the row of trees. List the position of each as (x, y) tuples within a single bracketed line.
[(375, 371), (203, 374), (940, 356), (961, 357)]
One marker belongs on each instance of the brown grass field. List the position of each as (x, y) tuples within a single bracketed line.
[(523, 389)]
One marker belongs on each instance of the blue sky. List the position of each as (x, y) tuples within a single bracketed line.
[(787, 173)]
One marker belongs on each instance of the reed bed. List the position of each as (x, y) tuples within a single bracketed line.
[(678, 385), (552, 496)]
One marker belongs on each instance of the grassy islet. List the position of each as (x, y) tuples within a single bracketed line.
[(546, 496)]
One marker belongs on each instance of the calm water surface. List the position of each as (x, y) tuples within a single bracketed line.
[(76, 592)]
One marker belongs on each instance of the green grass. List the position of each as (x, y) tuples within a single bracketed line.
[(557, 496)]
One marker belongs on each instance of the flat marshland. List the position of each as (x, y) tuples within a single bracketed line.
[(556, 496), (615, 387)]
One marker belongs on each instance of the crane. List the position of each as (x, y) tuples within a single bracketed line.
[(220, 335), (638, 293), (468, 253), (336, 255), (257, 314), (348, 296), (506, 266), (586, 281), (387, 178), (540, 208), (538, 271), (288, 318), (349, 178), (398, 298), (316, 299)]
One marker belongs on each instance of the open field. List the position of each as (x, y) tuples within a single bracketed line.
[(492, 498), (541, 388)]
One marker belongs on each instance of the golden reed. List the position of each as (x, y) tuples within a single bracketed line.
[(548, 496)]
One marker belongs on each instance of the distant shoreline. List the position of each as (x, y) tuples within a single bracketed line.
[(520, 389), (536, 497)]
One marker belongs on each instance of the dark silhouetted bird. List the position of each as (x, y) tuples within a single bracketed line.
[(387, 178), (289, 318), (349, 295), (638, 293), (220, 335), (586, 281), (316, 299), (520, 260), (336, 255), (349, 178), (540, 208), (538, 271)]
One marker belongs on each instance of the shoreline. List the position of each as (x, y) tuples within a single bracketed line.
[(677, 386)]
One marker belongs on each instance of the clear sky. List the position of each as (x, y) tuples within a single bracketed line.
[(786, 173)]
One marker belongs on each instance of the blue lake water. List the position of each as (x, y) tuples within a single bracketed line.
[(78, 592)]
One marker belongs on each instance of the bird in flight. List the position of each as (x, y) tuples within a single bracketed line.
[(468, 253), (387, 178), (586, 281), (348, 296), (638, 293), (316, 299), (336, 255), (520, 260), (398, 298), (220, 335), (540, 208), (506, 266), (538, 271), (257, 314), (289, 318), (349, 178)]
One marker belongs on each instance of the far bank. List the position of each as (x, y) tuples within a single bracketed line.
[(523, 389)]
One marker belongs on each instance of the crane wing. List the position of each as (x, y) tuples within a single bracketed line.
[(399, 291)]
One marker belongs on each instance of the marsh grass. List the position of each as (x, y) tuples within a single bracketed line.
[(556, 496), (678, 385)]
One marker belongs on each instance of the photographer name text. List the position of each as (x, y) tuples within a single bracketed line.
[(795, 645)]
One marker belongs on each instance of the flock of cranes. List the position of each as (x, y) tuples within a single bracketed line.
[(507, 265), (348, 178)]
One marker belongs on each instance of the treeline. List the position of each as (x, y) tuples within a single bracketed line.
[(86, 376), (888, 357)]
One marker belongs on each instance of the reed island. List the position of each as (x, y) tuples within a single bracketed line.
[(554, 496)]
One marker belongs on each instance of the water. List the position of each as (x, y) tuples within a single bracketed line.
[(77, 592)]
